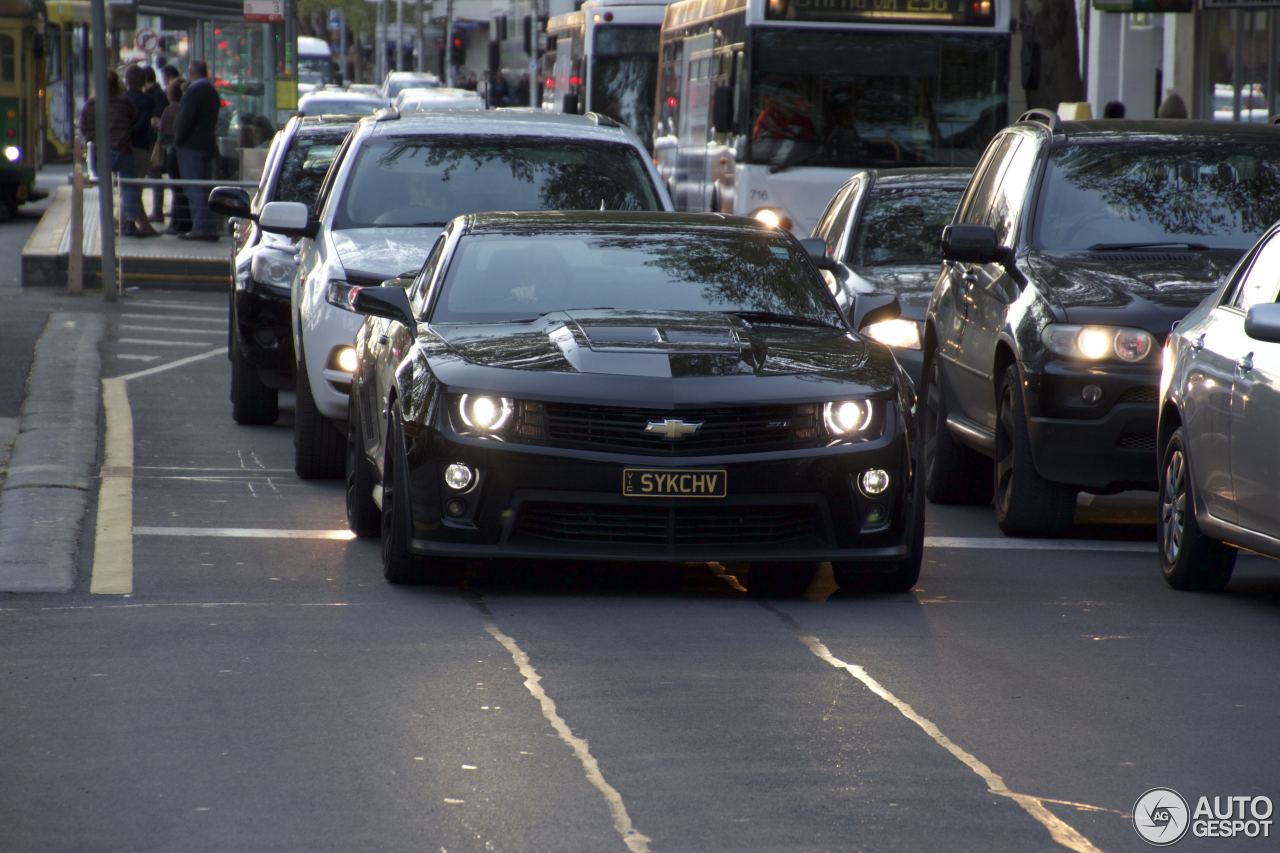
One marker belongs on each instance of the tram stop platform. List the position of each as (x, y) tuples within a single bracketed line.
[(162, 262)]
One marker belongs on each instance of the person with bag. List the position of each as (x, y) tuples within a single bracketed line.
[(120, 118), (159, 100), (180, 214), (140, 142)]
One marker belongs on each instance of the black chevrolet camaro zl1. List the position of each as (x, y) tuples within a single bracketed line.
[(628, 386)]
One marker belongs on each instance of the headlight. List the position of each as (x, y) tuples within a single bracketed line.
[(12, 153), (848, 418), (484, 415), (274, 269), (340, 293), (1098, 343), (900, 333), (772, 217)]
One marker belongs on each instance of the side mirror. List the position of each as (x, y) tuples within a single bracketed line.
[(391, 303), (973, 244), (871, 308), (570, 104), (289, 218), (1262, 323), (230, 201), (816, 249), (722, 109)]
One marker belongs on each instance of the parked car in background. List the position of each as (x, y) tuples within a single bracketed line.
[(883, 230), (1219, 418), (1076, 247), (339, 102), (399, 179), (397, 81), (441, 98), (262, 264), (625, 386)]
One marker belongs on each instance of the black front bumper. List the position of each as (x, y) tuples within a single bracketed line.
[(265, 334), (537, 502)]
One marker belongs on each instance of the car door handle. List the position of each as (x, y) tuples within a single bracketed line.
[(1245, 362), (1198, 343)]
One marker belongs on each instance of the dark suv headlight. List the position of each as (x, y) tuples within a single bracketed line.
[(1098, 343)]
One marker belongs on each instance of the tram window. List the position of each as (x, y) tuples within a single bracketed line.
[(6, 58)]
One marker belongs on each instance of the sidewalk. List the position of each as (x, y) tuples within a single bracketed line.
[(153, 262)]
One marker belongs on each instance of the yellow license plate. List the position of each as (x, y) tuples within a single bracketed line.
[(668, 483)]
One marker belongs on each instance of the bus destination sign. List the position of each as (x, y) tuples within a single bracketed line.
[(970, 13)]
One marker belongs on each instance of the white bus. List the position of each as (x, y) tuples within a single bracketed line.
[(604, 58), (764, 107)]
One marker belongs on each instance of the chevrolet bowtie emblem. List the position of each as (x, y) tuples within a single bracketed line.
[(672, 429)]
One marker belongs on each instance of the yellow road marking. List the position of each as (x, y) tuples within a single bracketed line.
[(113, 538)]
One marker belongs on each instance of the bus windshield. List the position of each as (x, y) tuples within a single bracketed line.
[(874, 99), (623, 75)]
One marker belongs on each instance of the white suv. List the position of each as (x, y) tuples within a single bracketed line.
[(394, 186)]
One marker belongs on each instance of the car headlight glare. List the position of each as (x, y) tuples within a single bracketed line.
[(1098, 343), (772, 217), (846, 418), (483, 414), (272, 268), (12, 153), (900, 333), (347, 359)]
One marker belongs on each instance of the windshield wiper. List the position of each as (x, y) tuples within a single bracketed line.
[(774, 318), (1155, 244), (412, 225)]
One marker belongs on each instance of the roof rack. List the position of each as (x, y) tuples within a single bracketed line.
[(602, 120), (387, 114), (1043, 116)]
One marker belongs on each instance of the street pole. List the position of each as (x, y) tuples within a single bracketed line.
[(448, 43), (380, 43), (75, 260), (342, 46), (420, 47), (399, 35), (102, 144)]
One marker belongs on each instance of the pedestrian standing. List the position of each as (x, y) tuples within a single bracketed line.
[(120, 118), (140, 141), (196, 141), (1113, 109), (180, 213), (1172, 106), (155, 166)]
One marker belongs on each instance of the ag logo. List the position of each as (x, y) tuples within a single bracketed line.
[(1161, 816)]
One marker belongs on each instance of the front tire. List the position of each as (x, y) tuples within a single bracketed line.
[(252, 402), (1026, 503), (363, 516), (953, 473), (1189, 560), (319, 452), (398, 565)]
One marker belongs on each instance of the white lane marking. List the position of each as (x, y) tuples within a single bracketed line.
[(264, 470), (635, 841), (112, 572), (185, 306), (154, 343), (170, 365), (156, 605), (187, 331), (184, 318), (1059, 830), (132, 357), (243, 533), (997, 543)]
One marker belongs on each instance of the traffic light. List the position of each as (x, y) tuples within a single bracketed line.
[(458, 50)]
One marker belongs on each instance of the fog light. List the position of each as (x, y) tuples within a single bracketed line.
[(455, 507), (873, 481), (1091, 394), (875, 515), (459, 477), (346, 360)]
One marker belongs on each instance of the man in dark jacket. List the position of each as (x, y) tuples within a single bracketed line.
[(140, 141), (196, 139), (121, 117), (159, 100)]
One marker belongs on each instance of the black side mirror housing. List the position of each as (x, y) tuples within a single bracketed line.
[(231, 201), (722, 109), (389, 302), (569, 104), (1262, 323), (816, 249), (971, 244), (871, 308)]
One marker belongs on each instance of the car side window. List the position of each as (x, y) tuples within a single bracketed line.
[(1262, 281), (977, 198), (418, 290), (835, 217), (327, 186), (1010, 194)]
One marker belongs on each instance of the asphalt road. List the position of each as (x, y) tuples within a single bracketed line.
[(268, 691)]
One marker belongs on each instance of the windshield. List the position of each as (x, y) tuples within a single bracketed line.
[(902, 226), (397, 84), (314, 69), (501, 278), (339, 106), (624, 75), (304, 168), (430, 181), (863, 99), (1222, 194)]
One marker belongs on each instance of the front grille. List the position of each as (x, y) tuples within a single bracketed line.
[(616, 429), (1145, 441), (1143, 394), (638, 524)]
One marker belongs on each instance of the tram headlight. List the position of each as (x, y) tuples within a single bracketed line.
[(12, 153), (772, 217)]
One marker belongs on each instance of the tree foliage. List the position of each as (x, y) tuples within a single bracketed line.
[(1052, 24)]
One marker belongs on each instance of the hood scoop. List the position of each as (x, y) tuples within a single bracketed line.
[(705, 334), (1145, 256)]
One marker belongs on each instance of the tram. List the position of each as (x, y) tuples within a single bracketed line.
[(22, 75)]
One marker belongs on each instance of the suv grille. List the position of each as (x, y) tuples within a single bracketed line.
[(665, 526), (723, 430)]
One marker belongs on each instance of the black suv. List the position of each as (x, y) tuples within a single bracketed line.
[(260, 342), (1075, 248)]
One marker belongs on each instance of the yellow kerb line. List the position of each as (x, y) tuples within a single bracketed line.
[(113, 538)]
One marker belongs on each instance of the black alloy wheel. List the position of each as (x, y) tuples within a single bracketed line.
[(398, 565), (363, 516), (319, 451), (1189, 559), (1026, 503), (252, 402), (953, 473)]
